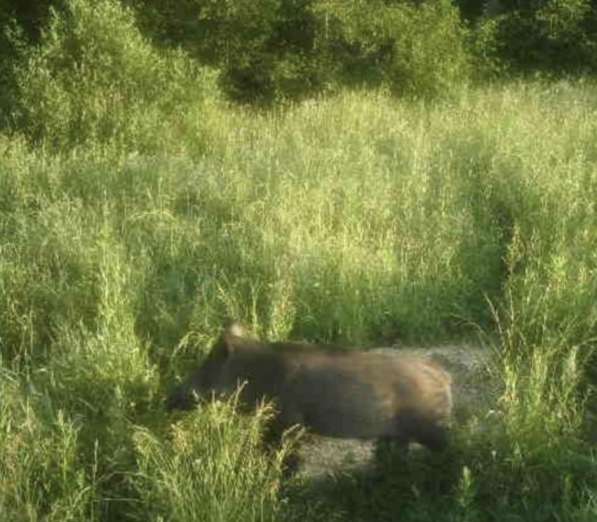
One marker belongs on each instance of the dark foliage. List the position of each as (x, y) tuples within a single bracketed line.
[(271, 50)]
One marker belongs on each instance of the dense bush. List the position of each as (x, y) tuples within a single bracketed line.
[(269, 50), (413, 48), (94, 78), (549, 35), (31, 15), (264, 48), (273, 49)]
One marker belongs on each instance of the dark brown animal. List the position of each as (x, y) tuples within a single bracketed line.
[(333, 392)]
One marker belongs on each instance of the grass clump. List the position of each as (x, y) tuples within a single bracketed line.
[(42, 476), (212, 467)]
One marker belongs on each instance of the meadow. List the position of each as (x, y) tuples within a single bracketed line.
[(138, 209), (358, 219)]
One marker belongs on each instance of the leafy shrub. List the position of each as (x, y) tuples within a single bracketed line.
[(551, 35), (31, 15), (264, 48), (95, 79), (275, 49), (415, 49)]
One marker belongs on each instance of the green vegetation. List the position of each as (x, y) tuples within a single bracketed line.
[(95, 78), (138, 208)]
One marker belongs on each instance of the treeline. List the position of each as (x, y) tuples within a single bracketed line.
[(266, 50)]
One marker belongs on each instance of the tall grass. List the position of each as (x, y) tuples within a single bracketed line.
[(213, 469), (357, 218)]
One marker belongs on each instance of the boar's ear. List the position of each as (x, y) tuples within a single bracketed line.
[(232, 336), (235, 338), (235, 328), (234, 344)]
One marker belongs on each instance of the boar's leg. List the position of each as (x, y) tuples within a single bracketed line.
[(385, 445), (274, 438), (414, 427), (282, 421), (433, 436), (389, 453), (411, 426)]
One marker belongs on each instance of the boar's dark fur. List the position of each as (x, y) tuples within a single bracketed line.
[(333, 392)]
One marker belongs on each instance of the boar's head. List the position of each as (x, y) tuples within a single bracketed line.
[(212, 377)]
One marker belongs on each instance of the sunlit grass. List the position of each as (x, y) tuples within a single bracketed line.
[(358, 219)]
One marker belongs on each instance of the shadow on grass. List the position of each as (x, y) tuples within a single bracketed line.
[(482, 479), (398, 485)]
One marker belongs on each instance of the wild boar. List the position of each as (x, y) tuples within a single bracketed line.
[(333, 392)]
